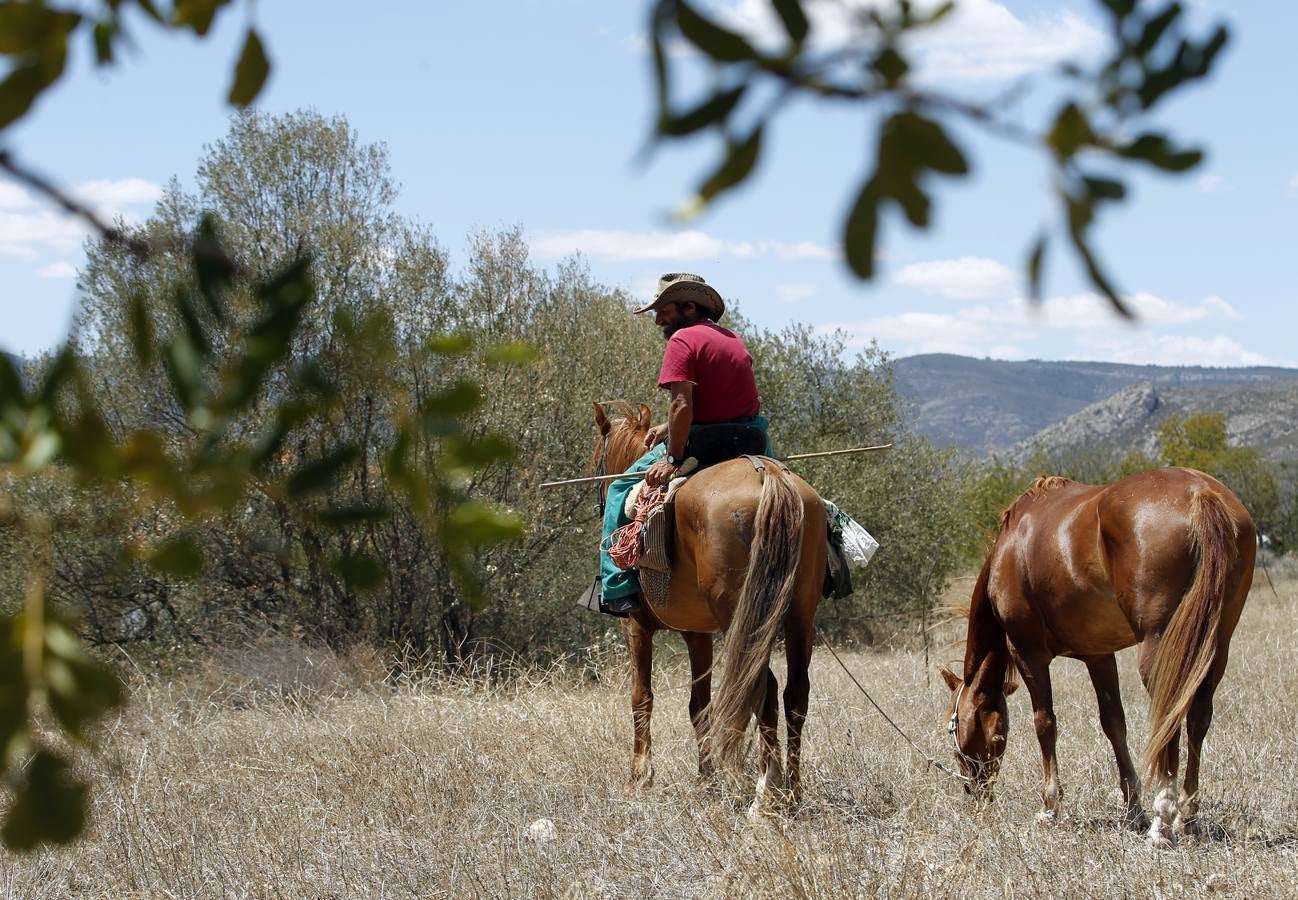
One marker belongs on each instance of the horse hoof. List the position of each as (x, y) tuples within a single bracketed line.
[(1047, 817), (1162, 840)]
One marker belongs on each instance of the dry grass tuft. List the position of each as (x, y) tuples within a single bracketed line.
[(282, 771)]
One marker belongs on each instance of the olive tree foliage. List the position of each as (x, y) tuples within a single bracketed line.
[(1099, 126), (907, 498)]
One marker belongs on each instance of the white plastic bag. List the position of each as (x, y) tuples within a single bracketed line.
[(858, 544)]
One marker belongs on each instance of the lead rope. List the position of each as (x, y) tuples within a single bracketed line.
[(928, 759)]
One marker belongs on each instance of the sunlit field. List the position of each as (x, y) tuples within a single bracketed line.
[(281, 771)]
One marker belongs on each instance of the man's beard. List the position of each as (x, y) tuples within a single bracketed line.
[(675, 325)]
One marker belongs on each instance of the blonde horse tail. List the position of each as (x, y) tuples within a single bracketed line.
[(764, 600), (1188, 647)]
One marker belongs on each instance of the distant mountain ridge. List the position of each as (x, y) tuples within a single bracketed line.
[(1009, 407)]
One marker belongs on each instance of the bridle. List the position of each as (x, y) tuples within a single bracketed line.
[(601, 468)]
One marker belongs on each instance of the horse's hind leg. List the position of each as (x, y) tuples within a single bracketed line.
[(1104, 678), (797, 689), (640, 647), (770, 775), (699, 645), (1162, 823)]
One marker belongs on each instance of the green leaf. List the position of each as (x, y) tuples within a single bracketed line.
[(1154, 29), (196, 14), (512, 353), (890, 65), (794, 19), (461, 398), (142, 334), (941, 12), (354, 514), (213, 267), (1035, 259), (720, 43), (31, 28), (738, 164), (319, 474), (1104, 188), (104, 32), (80, 690), (474, 523), (19, 91), (49, 805), (714, 109), (927, 143), (480, 452), (1157, 150), (1070, 132), (359, 570), (453, 344), (179, 557), (1080, 214), (860, 232), (251, 71)]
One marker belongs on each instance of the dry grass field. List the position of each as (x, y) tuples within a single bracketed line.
[(284, 772)]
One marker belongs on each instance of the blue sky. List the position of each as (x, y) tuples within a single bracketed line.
[(504, 112)]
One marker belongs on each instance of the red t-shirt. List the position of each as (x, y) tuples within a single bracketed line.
[(716, 361)]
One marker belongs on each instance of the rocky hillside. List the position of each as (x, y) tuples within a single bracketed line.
[(998, 406)]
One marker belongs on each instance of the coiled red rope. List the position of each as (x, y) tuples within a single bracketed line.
[(624, 544)]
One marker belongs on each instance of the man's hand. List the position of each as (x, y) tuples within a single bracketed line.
[(655, 436), (659, 473)]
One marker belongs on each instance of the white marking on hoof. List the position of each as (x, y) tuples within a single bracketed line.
[(1047, 817)]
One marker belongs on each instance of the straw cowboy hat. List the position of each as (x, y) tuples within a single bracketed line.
[(682, 287)]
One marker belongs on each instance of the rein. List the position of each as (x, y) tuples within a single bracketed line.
[(928, 759)]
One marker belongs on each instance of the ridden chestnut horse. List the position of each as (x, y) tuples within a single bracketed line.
[(749, 559), (1163, 559)]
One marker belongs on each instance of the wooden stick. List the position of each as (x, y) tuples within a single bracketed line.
[(601, 479), (838, 452)]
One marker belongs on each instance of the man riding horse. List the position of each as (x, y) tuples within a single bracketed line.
[(714, 412)]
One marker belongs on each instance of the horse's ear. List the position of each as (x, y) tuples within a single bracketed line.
[(646, 417), (952, 680), (600, 419)]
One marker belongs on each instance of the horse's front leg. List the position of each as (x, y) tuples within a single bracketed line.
[(699, 645), (1035, 670), (639, 643), (1104, 678)]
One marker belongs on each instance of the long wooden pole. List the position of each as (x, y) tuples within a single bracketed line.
[(600, 479)]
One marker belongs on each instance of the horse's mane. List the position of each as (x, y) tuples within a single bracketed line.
[(1044, 484)]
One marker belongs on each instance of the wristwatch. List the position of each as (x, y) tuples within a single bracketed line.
[(673, 460)]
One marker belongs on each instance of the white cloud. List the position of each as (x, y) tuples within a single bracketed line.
[(966, 278), (980, 40), (1171, 350), (794, 293), (57, 270), (1210, 182), (644, 246), (114, 193), (29, 224), (13, 196), (1073, 327)]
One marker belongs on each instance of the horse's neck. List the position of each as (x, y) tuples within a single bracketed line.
[(986, 650)]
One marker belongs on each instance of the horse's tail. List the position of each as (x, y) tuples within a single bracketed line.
[(764, 599), (1188, 647)]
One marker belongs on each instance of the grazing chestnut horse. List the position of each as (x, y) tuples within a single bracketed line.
[(1163, 559), (749, 559)]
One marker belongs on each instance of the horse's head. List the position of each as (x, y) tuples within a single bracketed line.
[(621, 436), (978, 721)]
